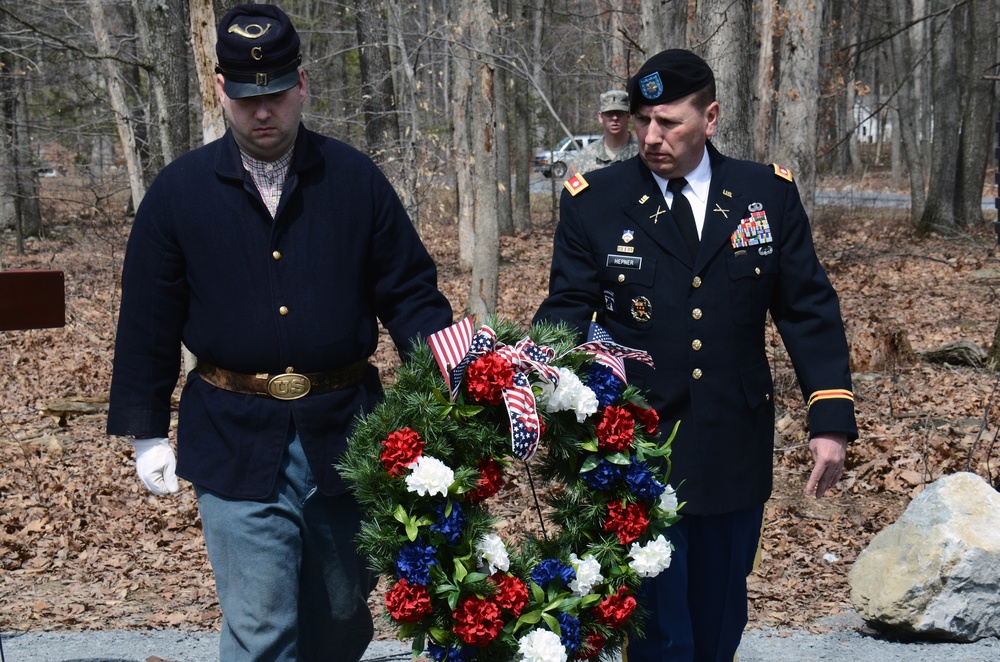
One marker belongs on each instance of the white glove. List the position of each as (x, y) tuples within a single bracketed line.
[(155, 464)]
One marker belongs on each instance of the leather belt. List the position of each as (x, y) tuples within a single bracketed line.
[(285, 386)]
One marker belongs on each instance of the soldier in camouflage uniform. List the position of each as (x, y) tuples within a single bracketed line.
[(618, 143)]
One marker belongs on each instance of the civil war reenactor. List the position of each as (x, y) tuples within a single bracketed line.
[(272, 253)]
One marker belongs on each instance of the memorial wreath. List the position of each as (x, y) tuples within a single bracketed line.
[(426, 461)]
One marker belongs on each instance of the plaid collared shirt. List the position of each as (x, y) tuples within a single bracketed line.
[(269, 176)]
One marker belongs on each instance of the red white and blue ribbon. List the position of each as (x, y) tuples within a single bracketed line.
[(524, 358)]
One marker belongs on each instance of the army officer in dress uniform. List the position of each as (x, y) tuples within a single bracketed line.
[(272, 253), (683, 252)]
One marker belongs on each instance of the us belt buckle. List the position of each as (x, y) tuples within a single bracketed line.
[(288, 386)]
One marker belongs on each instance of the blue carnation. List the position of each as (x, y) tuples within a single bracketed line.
[(603, 476), (552, 570), (414, 562), (642, 483), (450, 526), (602, 381), (570, 627), (450, 654)]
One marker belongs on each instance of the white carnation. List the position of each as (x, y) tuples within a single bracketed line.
[(541, 646), (651, 560), (668, 500), (588, 573), (570, 394), (429, 476), (492, 553)]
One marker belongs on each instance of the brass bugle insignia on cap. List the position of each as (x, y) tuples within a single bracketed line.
[(252, 31)]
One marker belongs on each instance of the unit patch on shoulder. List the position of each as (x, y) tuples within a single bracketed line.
[(782, 171), (575, 184)]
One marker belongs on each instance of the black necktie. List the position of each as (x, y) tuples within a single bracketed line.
[(681, 209)]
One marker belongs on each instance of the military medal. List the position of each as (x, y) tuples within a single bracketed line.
[(642, 309), (754, 230)]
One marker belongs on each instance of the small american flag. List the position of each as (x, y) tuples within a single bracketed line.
[(449, 347), (607, 352)]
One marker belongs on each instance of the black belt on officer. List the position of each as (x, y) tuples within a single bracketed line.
[(284, 386)]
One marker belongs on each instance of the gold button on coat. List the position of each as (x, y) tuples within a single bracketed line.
[(276, 255), (696, 282), (696, 313), (696, 344), (621, 278), (283, 310), (757, 270), (696, 373)]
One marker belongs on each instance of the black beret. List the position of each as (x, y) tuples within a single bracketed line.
[(667, 76), (258, 51)]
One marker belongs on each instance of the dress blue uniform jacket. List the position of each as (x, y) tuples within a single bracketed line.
[(703, 320), (207, 265)]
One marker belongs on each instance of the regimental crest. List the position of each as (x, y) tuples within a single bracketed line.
[(651, 85), (627, 236)]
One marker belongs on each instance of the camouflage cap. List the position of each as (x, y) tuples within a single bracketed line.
[(614, 100)]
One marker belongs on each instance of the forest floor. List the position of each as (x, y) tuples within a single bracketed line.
[(83, 546)]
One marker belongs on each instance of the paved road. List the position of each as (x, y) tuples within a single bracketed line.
[(846, 641)]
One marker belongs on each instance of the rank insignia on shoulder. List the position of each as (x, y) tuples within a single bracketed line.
[(782, 171), (575, 184)]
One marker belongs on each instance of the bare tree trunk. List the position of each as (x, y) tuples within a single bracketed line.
[(765, 81), (980, 46), (484, 286), (161, 27), (378, 98), (461, 100), (505, 217), (126, 130), (203, 36), (939, 212), (796, 104), (18, 181), (521, 201), (664, 25), (405, 154), (29, 215), (725, 38), (906, 103)]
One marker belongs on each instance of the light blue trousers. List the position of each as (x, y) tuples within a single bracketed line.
[(290, 584)]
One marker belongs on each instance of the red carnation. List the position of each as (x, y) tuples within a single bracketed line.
[(400, 450), (628, 522), (408, 603), (486, 377), (490, 481), (615, 609), (616, 430), (512, 593), (477, 621), (648, 418), (592, 646)]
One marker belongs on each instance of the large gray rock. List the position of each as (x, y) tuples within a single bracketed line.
[(935, 573)]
